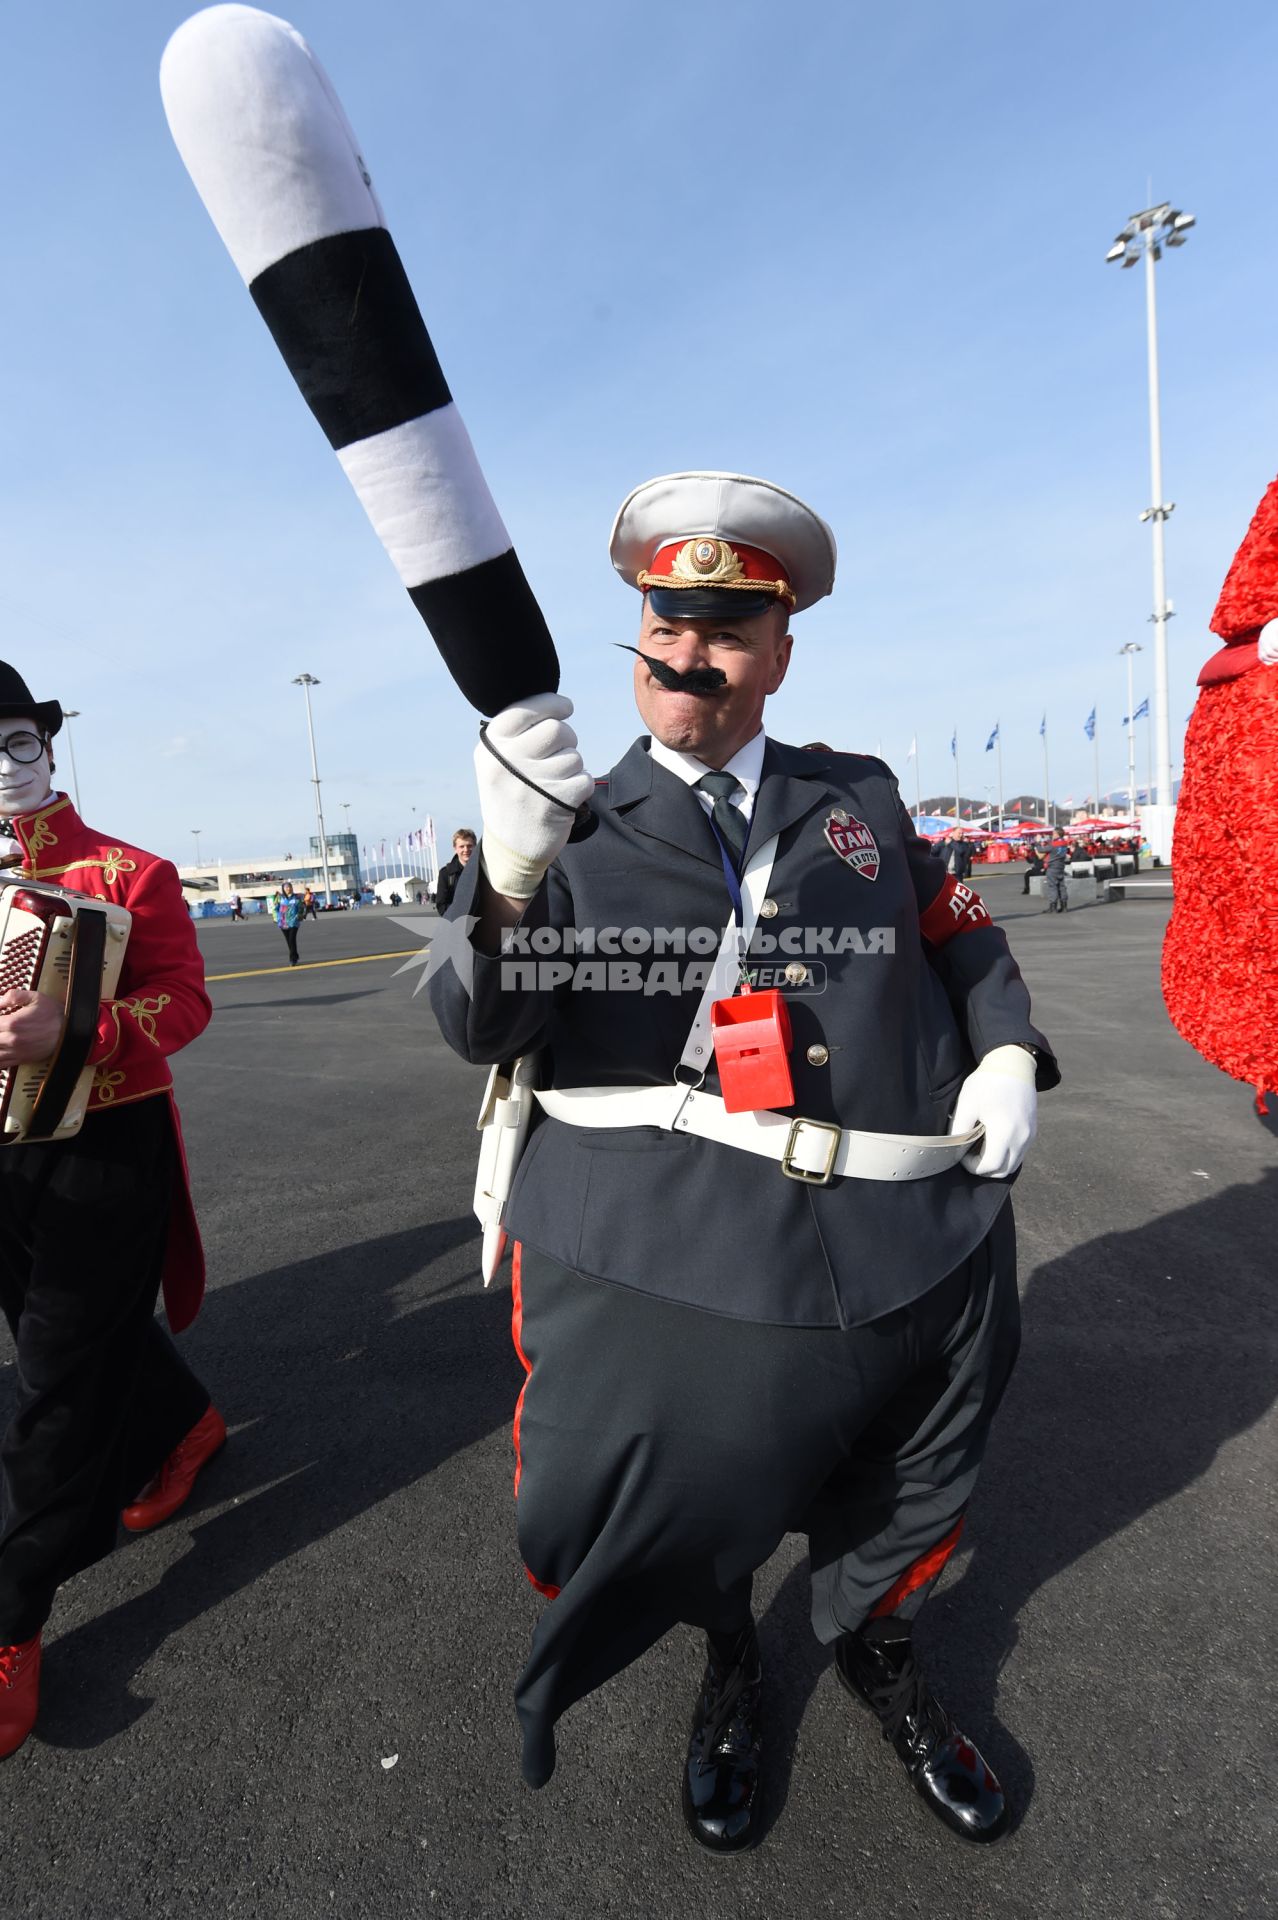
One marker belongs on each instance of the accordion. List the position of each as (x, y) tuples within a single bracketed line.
[(70, 947)]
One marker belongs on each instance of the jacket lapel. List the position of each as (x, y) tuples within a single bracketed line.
[(794, 784), (654, 802)]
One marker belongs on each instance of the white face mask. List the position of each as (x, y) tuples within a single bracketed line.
[(23, 788)]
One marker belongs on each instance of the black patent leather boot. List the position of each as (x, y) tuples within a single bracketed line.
[(949, 1775), (721, 1797)]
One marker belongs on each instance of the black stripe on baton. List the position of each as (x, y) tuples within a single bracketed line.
[(344, 317), (491, 632)]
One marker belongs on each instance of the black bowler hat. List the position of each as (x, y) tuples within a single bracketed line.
[(16, 701)]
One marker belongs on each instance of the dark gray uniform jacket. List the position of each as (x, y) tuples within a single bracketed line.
[(703, 1223)]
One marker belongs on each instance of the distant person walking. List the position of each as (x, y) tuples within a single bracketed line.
[(288, 916), (451, 872), (1057, 860), (309, 905), (237, 907)]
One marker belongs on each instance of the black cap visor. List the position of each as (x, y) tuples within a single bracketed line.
[(708, 603)]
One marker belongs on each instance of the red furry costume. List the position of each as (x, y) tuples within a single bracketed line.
[(1220, 964)]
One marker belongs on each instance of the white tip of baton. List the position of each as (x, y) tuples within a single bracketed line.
[(263, 136), (493, 1250)]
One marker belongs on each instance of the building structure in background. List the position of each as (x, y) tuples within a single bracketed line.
[(257, 879)]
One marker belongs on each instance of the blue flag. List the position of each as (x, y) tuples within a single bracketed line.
[(1140, 713), (1042, 728), (1089, 725), (993, 737), (954, 744)]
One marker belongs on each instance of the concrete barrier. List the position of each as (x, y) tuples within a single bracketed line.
[(1081, 890), (1151, 889)]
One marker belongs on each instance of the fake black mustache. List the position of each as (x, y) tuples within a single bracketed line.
[(696, 680)]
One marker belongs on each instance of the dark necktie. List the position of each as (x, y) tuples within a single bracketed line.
[(734, 828)]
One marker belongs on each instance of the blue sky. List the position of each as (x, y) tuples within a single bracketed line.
[(858, 250)]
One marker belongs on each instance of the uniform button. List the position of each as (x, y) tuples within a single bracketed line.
[(769, 910), (796, 973), (818, 1055)]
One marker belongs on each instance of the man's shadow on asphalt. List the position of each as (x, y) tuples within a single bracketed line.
[(1139, 1361), (342, 1385)]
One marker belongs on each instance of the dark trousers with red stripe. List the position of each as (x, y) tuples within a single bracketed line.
[(664, 1452), (101, 1394)]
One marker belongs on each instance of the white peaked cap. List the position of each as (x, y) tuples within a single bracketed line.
[(729, 507)]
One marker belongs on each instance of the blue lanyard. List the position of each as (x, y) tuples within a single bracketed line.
[(734, 889), (729, 874)]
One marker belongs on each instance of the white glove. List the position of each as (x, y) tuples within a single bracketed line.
[(1268, 648), (522, 831), (1000, 1097)]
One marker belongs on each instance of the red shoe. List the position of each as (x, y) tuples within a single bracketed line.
[(161, 1497), (19, 1693)]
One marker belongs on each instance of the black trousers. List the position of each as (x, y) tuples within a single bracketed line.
[(102, 1395), (664, 1452), (290, 941)]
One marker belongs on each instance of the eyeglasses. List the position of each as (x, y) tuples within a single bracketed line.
[(25, 748)]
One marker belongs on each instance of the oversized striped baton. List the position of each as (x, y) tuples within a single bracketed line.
[(277, 165)]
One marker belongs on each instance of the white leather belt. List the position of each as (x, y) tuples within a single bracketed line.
[(814, 1151)]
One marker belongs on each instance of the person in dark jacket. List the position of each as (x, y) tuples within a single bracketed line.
[(1034, 866), (452, 870), (750, 1316), (958, 854), (1058, 856)]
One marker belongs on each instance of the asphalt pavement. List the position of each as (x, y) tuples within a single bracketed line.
[(295, 1700)]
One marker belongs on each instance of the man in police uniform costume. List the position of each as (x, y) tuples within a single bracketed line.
[(727, 1341), (105, 1409)]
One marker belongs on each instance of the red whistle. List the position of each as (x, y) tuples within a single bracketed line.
[(751, 1034)]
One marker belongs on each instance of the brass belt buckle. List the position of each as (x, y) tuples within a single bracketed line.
[(824, 1177)]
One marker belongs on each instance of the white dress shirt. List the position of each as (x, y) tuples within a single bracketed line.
[(745, 766)]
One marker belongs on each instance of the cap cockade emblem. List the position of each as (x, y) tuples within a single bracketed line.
[(706, 561), (855, 845)]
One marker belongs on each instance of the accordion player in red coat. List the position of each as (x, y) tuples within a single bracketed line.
[(109, 1422)]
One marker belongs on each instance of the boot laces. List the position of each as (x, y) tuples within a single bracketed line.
[(159, 1482), (904, 1705), (721, 1726), (12, 1660)]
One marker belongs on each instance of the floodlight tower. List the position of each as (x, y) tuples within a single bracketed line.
[(306, 681), (1146, 234)]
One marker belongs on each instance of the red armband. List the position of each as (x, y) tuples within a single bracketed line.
[(957, 908)]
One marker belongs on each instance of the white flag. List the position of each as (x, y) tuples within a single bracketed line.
[(914, 747)]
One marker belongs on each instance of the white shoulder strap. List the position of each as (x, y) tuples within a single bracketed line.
[(725, 975)]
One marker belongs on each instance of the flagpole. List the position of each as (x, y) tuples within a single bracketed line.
[(1149, 759), (998, 741), (1096, 769), (957, 792), (918, 785), (1047, 785)]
